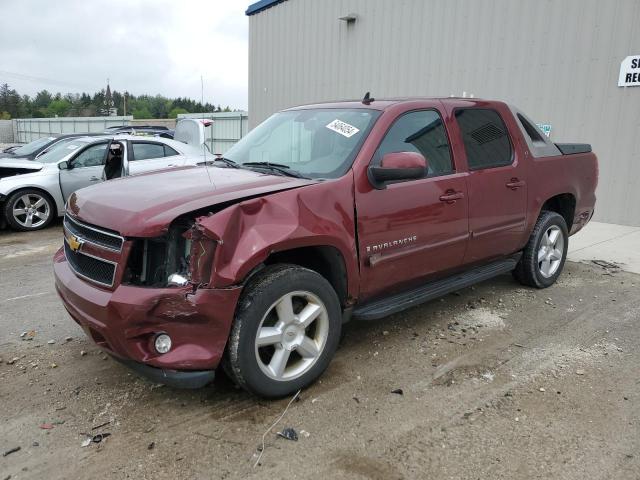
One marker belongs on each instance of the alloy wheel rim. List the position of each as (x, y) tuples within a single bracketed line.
[(31, 210), (292, 336), (550, 251)]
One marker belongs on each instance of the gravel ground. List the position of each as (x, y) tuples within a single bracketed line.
[(498, 381)]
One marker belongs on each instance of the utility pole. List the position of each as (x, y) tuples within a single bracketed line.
[(124, 108)]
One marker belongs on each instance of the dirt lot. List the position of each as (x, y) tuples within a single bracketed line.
[(498, 381)]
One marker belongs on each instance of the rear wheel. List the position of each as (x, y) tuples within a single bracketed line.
[(29, 209), (544, 256), (285, 333)]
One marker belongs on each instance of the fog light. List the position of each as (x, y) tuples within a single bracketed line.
[(163, 343)]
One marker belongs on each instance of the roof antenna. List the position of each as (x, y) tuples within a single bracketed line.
[(367, 99), (204, 144)]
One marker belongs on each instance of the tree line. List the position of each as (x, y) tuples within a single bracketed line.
[(46, 104)]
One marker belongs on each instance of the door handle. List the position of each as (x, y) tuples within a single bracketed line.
[(514, 184), (451, 196), (94, 179)]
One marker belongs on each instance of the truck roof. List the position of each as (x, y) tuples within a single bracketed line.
[(381, 103)]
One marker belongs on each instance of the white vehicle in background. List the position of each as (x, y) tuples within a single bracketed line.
[(34, 192)]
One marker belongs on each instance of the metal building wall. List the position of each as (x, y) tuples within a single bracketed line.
[(558, 60)]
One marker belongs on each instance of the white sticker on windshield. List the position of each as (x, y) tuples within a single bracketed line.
[(343, 128), (72, 147)]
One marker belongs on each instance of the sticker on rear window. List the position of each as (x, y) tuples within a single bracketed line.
[(343, 128)]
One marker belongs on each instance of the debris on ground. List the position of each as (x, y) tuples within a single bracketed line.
[(94, 438), (580, 371), (606, 265), (151, 446), (101, 425), (12, 361), (82, 353), (305, 434), (51, 342), (29, 335), (68, 339), (10, 451), (289, 433), (261, 447), (46, 426), (398, 391), (488, 376), (99, 437)]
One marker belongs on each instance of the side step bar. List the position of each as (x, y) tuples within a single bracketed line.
[(401, 301)]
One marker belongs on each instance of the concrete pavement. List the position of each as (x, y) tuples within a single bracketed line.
[(617, 244)]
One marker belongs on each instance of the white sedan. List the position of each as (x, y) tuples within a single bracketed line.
[(34, 192)]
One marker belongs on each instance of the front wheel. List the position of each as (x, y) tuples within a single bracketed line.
[(544, 256), (286, 331), (28, 210)]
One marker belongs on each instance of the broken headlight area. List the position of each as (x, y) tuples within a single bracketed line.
[(183, 256)]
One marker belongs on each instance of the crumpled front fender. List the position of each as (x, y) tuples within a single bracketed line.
[(249, 231)]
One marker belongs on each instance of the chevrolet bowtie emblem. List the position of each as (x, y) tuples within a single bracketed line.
[(74, 242)]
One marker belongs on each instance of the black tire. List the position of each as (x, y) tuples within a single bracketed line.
[(529, 271), (16, 200), (245, 366)]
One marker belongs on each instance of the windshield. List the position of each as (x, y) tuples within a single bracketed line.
[(318, 143), (31, 147), (61, 150)]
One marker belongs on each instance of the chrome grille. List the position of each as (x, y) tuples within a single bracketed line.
[(103, 238), (92, 268)]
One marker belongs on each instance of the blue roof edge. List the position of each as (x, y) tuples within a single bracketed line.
[(261, 5)]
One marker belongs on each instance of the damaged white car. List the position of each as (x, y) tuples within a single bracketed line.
[(34, 192)]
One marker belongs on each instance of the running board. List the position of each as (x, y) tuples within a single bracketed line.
[(401, 301)]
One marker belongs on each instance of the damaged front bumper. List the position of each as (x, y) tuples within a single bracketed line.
[(171, 378), (125, 321)]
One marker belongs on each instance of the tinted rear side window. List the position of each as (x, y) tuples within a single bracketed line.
[(422, 132), (485, 138), (146, 151), (169, 152)]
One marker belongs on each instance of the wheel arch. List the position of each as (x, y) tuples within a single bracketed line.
[(326, 260), (563, 204)]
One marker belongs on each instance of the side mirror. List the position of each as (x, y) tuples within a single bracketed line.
[(398, 166), (64, 165)]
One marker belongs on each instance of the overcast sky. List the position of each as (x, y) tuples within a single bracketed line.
[(142, 46)]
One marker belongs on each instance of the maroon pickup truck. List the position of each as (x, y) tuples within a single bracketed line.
[(322, 214)]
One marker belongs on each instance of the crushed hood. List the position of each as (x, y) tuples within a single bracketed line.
[(12, 162), (10, 167), (145, 205)]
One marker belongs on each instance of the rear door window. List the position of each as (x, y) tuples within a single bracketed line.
[(169, 152), (147, 150), (485, 137)]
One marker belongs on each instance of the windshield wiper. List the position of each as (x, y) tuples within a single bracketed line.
[(228, 162), (276, 167)]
